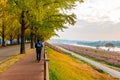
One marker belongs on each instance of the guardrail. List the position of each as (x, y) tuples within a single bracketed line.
[(46, 65)]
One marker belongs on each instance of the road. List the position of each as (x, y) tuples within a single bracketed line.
[(9, 51), (102, 67)]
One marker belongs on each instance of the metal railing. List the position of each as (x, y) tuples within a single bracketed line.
[(46, 65)]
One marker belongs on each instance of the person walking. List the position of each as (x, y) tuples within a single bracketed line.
[(38, 47)]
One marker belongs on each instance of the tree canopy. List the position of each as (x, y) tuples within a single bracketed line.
[(109, 45), (39, 18)]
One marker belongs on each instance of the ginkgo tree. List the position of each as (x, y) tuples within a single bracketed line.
[(52, 20), (14, 29), (3, 19), (44, 16), (5, 28)]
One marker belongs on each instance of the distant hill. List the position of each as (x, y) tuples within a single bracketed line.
[(87, 43)]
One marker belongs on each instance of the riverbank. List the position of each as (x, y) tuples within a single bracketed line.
[(115, 49), (90, 44), (63, 67)]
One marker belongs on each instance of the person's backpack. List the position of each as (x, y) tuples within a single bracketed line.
[(39, 45)]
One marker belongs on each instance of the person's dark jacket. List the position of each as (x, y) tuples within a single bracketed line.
[(37, 46)]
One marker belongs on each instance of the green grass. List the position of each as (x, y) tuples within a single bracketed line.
[(97, 69), (101, 61), (65, 67)]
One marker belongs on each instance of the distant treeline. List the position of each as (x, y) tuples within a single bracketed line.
[(99, 43), (89, 43)]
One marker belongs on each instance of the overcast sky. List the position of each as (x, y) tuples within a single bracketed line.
[(96, 20)]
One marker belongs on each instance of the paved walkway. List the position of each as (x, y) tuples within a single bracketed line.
[(102, 67), (25, 69), (6, 52)]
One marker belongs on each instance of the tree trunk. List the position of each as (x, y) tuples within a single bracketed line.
[(32, 38), (18, 39), (22, 48), (3, 35), (32, 41), (10, 39), (35, 39)]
